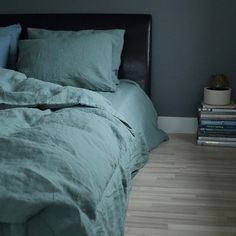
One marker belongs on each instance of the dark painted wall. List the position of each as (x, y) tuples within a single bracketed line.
[(191, 40)]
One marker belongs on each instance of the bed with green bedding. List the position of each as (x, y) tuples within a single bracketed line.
[(57, 167), (72, 134)]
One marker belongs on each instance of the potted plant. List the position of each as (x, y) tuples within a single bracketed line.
[(218, 92)]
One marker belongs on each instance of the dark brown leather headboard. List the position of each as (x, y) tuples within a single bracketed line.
[(136, 56)]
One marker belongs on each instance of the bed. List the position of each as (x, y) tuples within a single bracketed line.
[(69, 150)]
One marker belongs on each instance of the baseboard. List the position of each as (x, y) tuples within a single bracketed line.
[(178, 124)]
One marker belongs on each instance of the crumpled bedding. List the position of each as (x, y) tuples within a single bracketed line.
[(66, 160)]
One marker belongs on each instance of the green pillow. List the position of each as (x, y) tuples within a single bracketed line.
[(117, 36), (83, 61)]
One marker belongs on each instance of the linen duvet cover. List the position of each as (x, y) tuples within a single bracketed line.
[(66, 160)]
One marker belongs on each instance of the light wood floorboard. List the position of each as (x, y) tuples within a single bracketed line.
[(184, 190)]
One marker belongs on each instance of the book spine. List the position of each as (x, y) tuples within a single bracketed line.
[(225, 127), (217, 116), (217, 138), (225, 110), (229, 106), (215, 133), (218, 131), (217, 122), (216, 143)]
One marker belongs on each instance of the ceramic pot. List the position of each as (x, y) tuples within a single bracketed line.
[(217, 97)]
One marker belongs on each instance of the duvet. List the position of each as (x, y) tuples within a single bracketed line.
[(66, 160)]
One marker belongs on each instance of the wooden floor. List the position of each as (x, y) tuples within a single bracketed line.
[(184, 190)]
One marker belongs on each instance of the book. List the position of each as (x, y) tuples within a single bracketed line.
[(218, 131), (214, 135), (216, 138), (221, 122), (226, 116), (223, 127), (216, 143), (225, 110), (232, 105)]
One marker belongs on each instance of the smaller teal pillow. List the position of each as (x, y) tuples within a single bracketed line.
[(14, 32), (4, 50), (85, 61), (117, 36)]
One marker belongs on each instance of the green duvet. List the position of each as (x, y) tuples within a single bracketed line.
[(66, 160)]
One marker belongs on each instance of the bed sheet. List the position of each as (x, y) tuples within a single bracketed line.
[(131, 102)]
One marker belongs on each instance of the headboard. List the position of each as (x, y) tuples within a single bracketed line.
[(136, 55)]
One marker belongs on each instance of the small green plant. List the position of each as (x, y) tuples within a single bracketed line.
[(219, 82)]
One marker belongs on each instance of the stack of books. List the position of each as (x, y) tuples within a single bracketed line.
[(217, 125)]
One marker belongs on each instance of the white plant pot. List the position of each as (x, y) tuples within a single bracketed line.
[(217, 97)]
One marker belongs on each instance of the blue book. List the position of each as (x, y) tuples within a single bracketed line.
[(218, 131), (218, 122), (218, 126)]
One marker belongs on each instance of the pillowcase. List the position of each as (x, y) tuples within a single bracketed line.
[(14, 32), (117, 36), (4, 50), (83, 61)]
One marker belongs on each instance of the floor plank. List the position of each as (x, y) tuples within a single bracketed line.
[(184, 190)]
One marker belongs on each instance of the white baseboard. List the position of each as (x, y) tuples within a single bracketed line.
[(178, 124)]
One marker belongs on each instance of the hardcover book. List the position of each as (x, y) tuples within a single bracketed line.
[(216, 137), (232, 105), (217, 131), (216, 143), (208, 115), (221, 122)]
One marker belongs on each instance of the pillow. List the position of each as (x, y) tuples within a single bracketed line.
[(117, 36), (84, 61), (4, 50), (14, 32)]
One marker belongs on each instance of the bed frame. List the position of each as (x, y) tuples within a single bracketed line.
[(136, 55)]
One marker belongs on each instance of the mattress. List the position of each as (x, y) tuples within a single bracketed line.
[(131, 102)]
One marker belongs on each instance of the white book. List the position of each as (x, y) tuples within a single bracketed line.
[(232, 105), (217, 143)]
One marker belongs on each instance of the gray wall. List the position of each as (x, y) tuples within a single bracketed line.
[(192, 39)]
